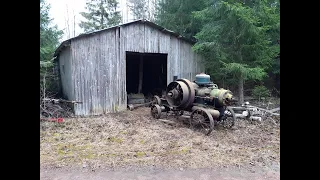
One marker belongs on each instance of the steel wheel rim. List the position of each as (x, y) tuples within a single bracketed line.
[(202, 119), (156, 100), (156, 111), (229, 119)]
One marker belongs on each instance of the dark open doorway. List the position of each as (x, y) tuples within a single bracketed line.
[(146, 72)]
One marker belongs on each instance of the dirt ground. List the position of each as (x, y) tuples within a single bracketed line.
[(133, 144), (158, 174)]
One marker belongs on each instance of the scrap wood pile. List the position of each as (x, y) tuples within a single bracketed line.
[(251, 112), (55, 109)]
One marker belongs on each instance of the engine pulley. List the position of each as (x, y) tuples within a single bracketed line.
[(180, 93)]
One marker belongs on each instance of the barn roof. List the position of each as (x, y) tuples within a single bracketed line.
[(149, 23)]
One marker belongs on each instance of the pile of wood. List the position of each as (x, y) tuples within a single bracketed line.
[(250, 112), (56, 108)]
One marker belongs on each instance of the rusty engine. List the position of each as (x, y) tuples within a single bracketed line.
[(201, 101)]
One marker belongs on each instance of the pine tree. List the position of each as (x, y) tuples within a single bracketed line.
[(49, 39), (100, 14), (139, 9), (236, 39), (49, 34), (176, 15)]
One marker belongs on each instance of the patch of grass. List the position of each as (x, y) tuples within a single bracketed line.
[(115, 139), (88, 155), (123, 132), (140, 154), (173, 144), (112, 155), (185, 150)]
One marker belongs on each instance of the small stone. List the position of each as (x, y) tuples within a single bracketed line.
[(84, 165)]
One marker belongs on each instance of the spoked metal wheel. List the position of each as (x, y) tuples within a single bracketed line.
[(202, 120), (156, 100), (155, 111), (228, 118)]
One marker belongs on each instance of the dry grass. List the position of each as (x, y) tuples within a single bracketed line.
[(134, 138)]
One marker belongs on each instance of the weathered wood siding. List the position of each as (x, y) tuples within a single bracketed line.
[(65, 67), (97, 72), (97, 65), (182, 61)]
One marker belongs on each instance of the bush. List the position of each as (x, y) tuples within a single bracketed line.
[(260, 91)]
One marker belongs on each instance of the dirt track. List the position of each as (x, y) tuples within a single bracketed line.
[(93, 146), (153, 174)]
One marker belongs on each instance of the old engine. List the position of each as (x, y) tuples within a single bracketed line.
[(207, 103)]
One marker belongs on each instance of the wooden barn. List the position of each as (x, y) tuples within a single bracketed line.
[(100, 68)]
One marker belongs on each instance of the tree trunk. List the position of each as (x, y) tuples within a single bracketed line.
[(241, 97)]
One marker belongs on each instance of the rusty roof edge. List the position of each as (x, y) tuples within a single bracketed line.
[(145, 21)]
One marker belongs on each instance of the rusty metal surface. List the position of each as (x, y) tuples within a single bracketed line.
[(180, 93), (191, 90), (177, 94)]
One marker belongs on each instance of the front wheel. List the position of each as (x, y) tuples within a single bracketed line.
[(202, 120), (156, 111), (228, 118)]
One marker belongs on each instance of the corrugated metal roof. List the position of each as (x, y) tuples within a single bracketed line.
[(67, 42)]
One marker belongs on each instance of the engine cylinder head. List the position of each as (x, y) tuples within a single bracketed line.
[(224, 97)]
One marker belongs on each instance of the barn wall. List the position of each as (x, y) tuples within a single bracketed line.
[(182, 61), (98, 65), (65, 60), (97, 71)]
